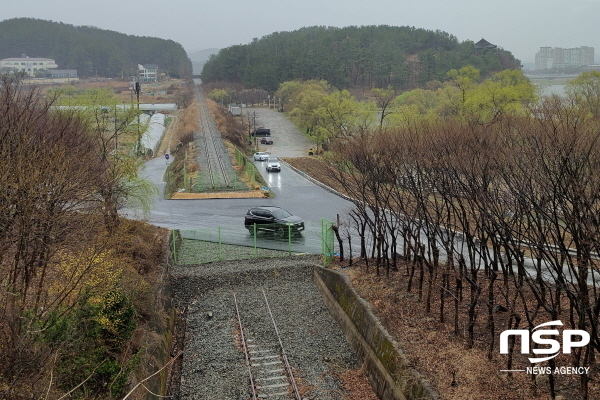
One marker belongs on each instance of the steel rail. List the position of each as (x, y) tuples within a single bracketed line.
[(213, 149), (209, 154), (254, 397), (217, 145), (220, 161), (284, 355)]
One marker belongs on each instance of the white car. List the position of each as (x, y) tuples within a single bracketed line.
[(273, 164), (261, 156)]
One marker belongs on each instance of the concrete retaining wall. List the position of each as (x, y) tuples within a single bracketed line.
[(388, 370)]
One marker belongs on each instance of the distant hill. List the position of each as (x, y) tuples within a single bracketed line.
[(365, 56), (89, 50), (199, 58), (202, 56)]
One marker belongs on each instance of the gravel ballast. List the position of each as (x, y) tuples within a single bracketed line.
[(213, 363)]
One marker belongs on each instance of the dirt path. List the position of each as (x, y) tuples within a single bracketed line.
[(165, 144)]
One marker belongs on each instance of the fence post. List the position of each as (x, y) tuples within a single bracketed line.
[(185, 172), (174, 246), (220, 246), (255, 248), (289, 238), (323, 238)]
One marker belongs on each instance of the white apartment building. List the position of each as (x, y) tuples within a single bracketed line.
[(29, 65), (543, 58), (558, 57)]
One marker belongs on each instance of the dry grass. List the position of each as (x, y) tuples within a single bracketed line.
[(357, 385), (219, 195), (121, 89), (233, 129), (187, 125), (315, 168), (440, 355)]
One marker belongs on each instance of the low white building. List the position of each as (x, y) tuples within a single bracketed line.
[(29, 65), (148, 72)]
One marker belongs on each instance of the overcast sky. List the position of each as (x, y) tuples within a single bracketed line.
[(519, 26)]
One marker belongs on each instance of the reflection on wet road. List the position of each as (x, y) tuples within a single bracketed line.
[(274, 180)]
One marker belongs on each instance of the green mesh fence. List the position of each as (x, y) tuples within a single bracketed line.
[(247, 167), (235, 243), (197, 246), (176, 242)]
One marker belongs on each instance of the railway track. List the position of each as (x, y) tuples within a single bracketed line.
[(269, 371), (217, 172)]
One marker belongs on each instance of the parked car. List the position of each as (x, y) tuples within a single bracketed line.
[(262, 131), (273, 164), (266, 141), (273, 219), (261, 156)]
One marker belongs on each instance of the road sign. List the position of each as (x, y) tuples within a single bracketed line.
[(166, 156)]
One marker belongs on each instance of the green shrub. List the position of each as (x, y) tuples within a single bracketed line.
[(92, 338)]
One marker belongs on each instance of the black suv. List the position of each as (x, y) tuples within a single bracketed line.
[(262, 131), (273, 219)]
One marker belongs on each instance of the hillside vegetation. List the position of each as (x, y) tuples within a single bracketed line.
[(79, 283), (366, 56), (89, 50)]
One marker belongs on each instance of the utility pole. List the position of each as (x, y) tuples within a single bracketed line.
[(138, 88), (254, 131)]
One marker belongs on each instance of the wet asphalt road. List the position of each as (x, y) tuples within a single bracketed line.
[(291, 191), (287, 140)]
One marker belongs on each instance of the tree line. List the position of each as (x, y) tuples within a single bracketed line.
[(90, 50), (327, 113), (496, 210), (365, 56)]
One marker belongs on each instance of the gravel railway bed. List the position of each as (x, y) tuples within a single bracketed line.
[(216, 171), (213, 365)]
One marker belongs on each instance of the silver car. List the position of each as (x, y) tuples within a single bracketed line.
[(273, 164), (261, 156)]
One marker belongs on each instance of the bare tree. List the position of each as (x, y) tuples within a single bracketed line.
[(49, 167)]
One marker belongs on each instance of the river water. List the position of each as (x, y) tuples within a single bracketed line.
[(551, 84), (548, 90)]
